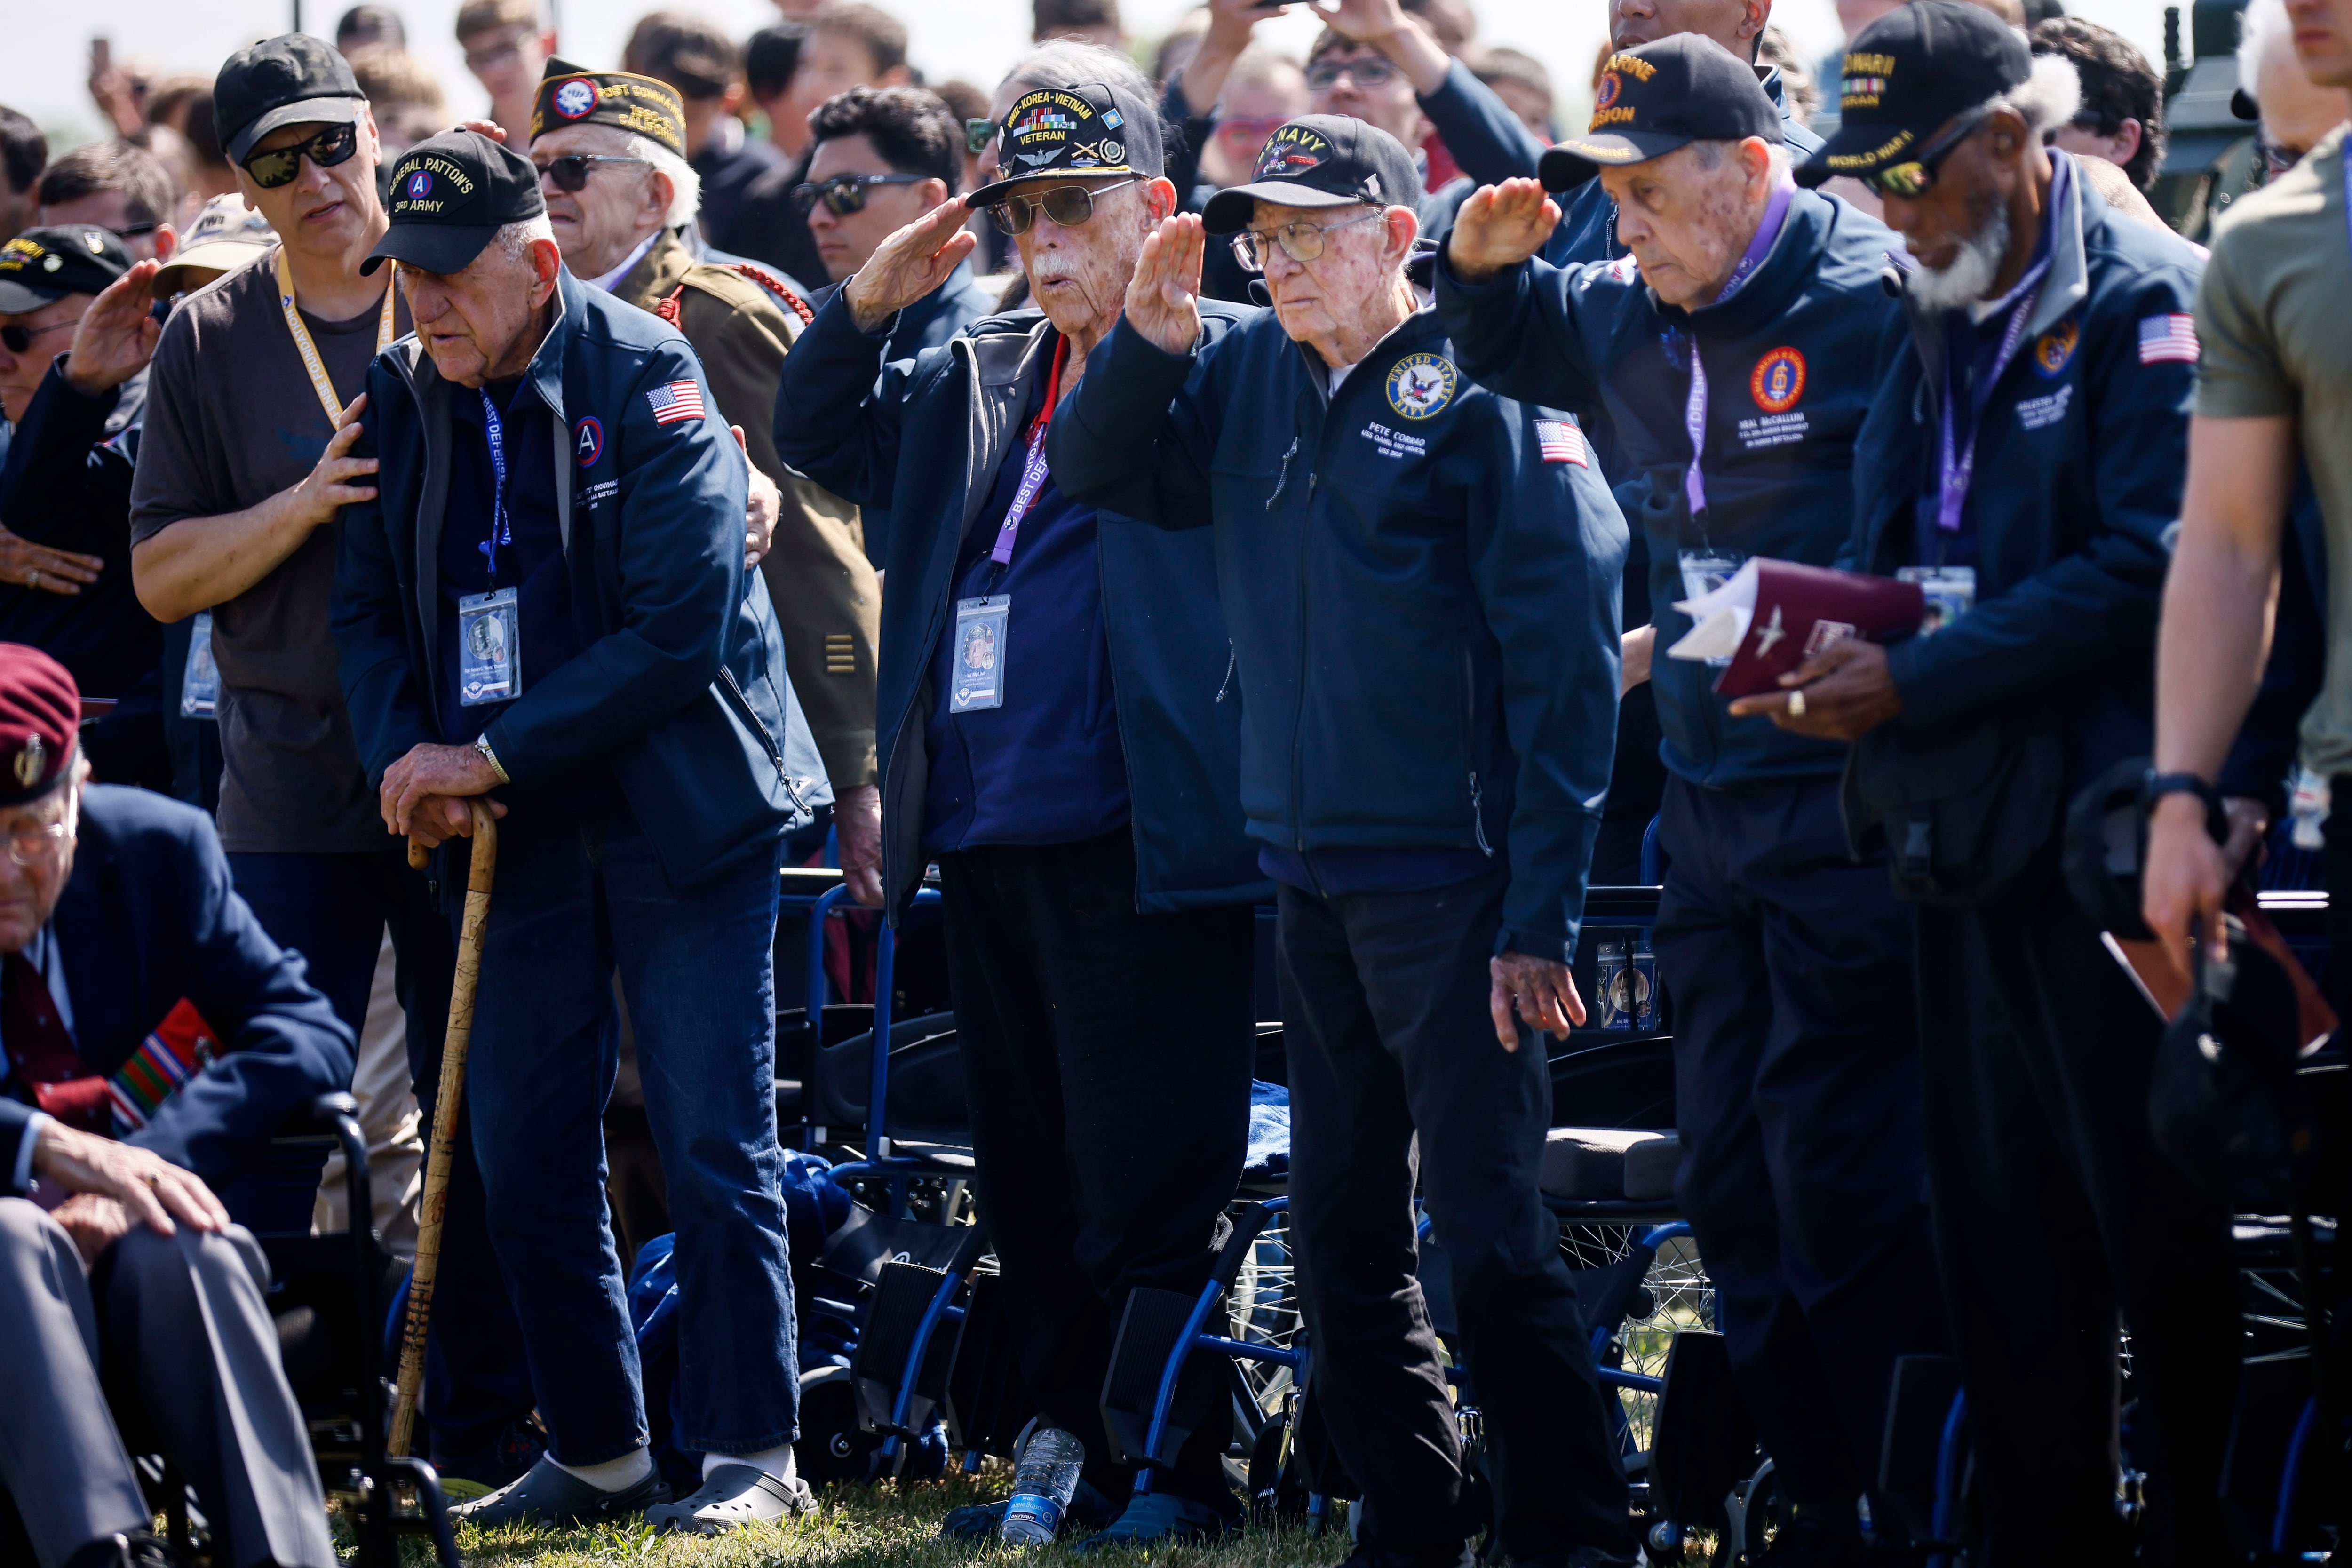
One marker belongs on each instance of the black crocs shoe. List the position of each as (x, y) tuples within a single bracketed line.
[(550, 1495), (505, 1459), (733, 1496)]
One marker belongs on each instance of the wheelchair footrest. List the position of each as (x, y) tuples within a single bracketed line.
[(882, 1366), (1148, 1332)]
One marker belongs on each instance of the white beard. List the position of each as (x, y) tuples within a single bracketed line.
[(1970, 276)]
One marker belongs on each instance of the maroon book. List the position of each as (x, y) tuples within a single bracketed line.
[(1801, 610)]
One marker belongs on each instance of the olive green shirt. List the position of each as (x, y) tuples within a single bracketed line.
[(2275, 321), (827, 599)]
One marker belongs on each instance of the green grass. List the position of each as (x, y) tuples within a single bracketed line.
[(855, 1527)]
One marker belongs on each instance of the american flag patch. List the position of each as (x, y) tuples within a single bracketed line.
[(678, 400), (2171, 337), (1561, 442)]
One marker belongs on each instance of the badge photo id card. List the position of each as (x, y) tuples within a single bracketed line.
[(1705, 571), (489, 648), (977, 677), (1950, 591)]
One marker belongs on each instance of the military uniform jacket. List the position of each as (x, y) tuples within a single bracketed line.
[(827, 600)]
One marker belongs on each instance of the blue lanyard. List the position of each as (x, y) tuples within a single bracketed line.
[(501, 530)]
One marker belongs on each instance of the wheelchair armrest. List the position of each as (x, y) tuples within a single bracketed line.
[(317, 1119)]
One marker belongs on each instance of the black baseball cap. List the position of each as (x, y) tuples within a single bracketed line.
[(45, 264), (1320, 160), (1093, 128), (1908, 73), (294, 79), (1662, 95), (449, 193)]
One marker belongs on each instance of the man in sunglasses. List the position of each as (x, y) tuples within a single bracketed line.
[(1058, 733), (610, 150), (244, 466), (1421, 581), (882, 157), (2024, 459), (1736, 354)]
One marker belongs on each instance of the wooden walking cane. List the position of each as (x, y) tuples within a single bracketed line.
[(435, 1203)]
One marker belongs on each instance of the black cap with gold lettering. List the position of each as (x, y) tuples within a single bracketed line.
[(1092, 128), (571, 95), (1909, 73), (1661, 96), (450, 193)]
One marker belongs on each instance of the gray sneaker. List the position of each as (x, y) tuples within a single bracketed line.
[(551, 1495), (733, 1496)]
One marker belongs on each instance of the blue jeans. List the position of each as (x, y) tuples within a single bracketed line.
[(333, 909), (572, 902)]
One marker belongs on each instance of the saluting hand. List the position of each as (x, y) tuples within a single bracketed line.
[(909, 265), (116, 336), (1542, 990), (1500, 226), (1164, 298)]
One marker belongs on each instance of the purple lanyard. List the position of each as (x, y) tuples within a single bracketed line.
[(1776, 213), (1959, 467), (1033, 467)]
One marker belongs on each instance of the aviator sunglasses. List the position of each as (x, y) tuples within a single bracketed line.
[(570, 171), (279, 166), (1068, 205)]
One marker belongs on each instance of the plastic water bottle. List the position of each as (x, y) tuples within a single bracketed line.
[(1042, 1485)]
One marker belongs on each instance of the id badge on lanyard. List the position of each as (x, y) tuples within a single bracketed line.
[(976, 677), (1705, 571), (200, 682), (489, 648), (1950, 592)]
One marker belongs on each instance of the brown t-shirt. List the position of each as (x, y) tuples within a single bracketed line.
[(232, 419)]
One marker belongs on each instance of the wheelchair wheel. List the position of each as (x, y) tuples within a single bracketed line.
[(1679, 1295), (1263, 1305), (831, 1447)]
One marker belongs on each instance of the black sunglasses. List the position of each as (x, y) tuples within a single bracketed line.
[(18, 338), (1068, 205), (1917, 176), (279, 166), (570, 171), (846, 193)]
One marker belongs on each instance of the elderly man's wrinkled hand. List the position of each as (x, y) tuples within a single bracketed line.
[(120, 1184), (1500, 226), (424, 792), (1542, 991), (857, 819), (52, 571), (909, 265), (761, 509), (1164, 298), (117, 335)]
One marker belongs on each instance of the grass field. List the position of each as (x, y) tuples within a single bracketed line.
[(855, 1527)]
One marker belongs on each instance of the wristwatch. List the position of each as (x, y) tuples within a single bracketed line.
[(2158, 785), (482, 744)]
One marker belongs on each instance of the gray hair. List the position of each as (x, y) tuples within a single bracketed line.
[(2047, 100), (1711, 154), (684, 185), (516, 237)]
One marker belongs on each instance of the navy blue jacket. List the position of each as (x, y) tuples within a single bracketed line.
[(2077, 489), (1423, 608), (678, 681), (149, 919), (925, 439), (1778, 465), (66, 485)]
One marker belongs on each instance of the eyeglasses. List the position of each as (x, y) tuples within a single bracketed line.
[(846, 193), (1918, 177), (1300, 241), (498, 54), (1243, 138), (1368, 71), (18, 338), (977, 135), (570, 171), (279, 166), (32, 846), (1068, 205)]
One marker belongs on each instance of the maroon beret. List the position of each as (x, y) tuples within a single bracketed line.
[(40, 711)]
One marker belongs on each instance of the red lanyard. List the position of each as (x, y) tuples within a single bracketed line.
[(1033, 467)]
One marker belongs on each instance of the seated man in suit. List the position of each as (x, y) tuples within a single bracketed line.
[(141, 1001)]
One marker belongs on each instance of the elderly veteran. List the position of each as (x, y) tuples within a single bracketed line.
[(610, 150), (1052, 737), (1424, 757), (155, 1040), (1789, 957), (586, 641)]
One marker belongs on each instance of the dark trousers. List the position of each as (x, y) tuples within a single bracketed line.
[(2052, 1210), (1396, 1071), (574, 902), (1106, 1055), (333, 909), (1797, 1094)]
